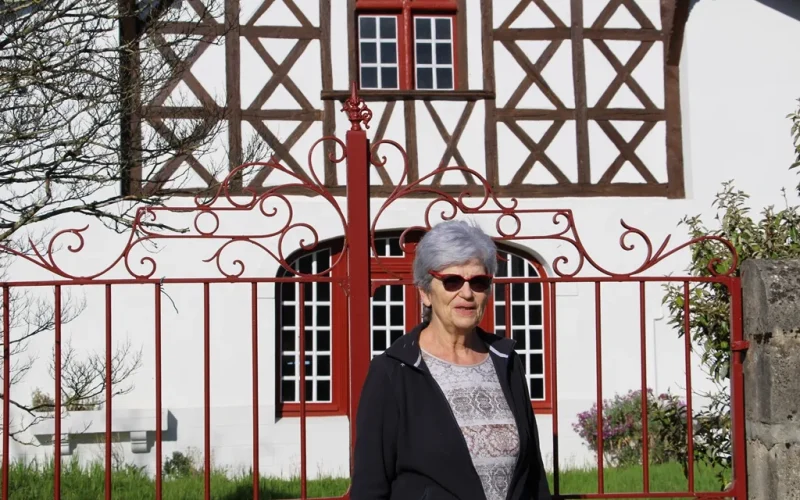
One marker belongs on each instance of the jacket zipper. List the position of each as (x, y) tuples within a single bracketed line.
[(460, 432)]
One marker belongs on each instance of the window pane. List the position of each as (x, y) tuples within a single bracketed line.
[(309, 365), (389, 78), (323, 260), (536, 339), (424, 78), (388, 53), (500, 292), (502, 265), (423, 29), (287, 390), (397, 315), (378, 340), (388, 27), (309, 395), (500, 315), (394, 247), (535, 291), (287, 291), (323, 292), (379, 315), (309, 340), (380, 294), (395, 336), (424, 55), (323, 390), (517, 291), (444, 53), (369, 78), (521, 338), (396, 293), (443, 29), (305, 264), (287, 340), (308, 291), (535, 314), (287, 366), (537, 388), (444, 78), (367, 27), (518, 315), (517, 266), (323, 340), (369, 52), (323, 316), (287, 315), (324, 366), (537, 366)]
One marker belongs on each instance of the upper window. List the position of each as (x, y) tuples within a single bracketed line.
[(406, 46)]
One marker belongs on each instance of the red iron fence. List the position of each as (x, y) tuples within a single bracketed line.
[(362, 271)]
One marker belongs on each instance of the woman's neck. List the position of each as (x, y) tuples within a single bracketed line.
[(453, 346)]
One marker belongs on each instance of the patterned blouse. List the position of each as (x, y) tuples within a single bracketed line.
[(485, 419)]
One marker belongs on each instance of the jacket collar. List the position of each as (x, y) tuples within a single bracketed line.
[(406, 348)]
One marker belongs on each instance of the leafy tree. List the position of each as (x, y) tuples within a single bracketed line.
[(775, 235), (74, 75)]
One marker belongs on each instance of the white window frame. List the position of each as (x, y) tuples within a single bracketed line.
[(433, 42), (526, 301), (378, 65), (312, 326)]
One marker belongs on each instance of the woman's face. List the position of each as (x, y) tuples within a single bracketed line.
[(460, 310)]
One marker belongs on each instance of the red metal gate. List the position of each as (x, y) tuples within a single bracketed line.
[(359, 281)]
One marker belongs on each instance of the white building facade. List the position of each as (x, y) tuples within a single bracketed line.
[(636, 110)]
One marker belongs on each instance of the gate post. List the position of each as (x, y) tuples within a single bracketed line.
[(772, 386), (358, 258)]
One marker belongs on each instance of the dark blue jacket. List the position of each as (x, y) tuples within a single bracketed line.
[(408, 443)]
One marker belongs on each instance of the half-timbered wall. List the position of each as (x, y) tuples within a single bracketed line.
[(544, 98)]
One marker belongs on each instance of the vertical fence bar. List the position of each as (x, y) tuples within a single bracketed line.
[(108, 393), (687, 347), (507, 294), (302, 367), (159, 473), (207, 388), (737, 391), (599, 367), (358, 251), (254, 309), (57, 397), (645, 399), (6, 386), (554, 375)]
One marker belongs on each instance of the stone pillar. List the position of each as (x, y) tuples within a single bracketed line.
[(771, 301)]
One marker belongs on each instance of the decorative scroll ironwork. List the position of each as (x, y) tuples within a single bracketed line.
[(357, 110), (267, 203), (481, 200)]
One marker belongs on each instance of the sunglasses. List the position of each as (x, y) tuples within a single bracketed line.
[(453, 282)]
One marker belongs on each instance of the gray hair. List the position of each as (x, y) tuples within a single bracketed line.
[(452, 243)]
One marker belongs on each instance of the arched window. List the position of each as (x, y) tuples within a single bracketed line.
[(395, 310)]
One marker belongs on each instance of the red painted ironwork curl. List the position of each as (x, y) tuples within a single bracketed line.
[(357, 110), (206, 224), (479, 199)]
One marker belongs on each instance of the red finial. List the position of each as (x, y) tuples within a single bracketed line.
[(356, 109)]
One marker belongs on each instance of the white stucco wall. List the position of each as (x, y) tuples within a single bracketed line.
[(736, 91)]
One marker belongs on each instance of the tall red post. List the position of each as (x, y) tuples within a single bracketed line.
[(358, 258)]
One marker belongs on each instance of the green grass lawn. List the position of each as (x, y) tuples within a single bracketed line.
[(30, 483)]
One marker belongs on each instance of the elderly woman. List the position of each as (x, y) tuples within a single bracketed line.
[(445, 412)]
